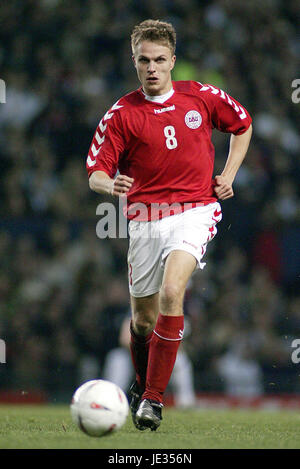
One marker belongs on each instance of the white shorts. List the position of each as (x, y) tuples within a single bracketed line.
[(152, 241)]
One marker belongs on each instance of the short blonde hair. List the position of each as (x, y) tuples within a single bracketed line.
[(154, 31)]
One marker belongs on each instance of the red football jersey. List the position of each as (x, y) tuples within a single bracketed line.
[(167, 147)]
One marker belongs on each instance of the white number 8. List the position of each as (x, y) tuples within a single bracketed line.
[(171, 141)]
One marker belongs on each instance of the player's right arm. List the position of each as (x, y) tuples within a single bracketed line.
[(100, 182), (102, 162)]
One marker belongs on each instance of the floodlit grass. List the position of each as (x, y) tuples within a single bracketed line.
[(51, 427)]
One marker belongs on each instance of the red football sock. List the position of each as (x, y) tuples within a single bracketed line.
[(165, 341), (139, 348)]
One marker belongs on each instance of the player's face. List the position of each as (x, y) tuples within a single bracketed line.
[(153, 63)]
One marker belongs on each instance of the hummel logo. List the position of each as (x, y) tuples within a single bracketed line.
[(186, 242), (165, 109)]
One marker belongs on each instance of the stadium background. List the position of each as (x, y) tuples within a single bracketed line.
[(63, 291)]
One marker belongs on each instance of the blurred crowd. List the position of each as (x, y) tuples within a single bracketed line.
[(63, 291)]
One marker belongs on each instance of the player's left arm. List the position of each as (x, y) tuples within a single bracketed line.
[(237, 151), (229, 116)]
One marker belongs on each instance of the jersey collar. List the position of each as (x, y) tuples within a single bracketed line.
[(159, 99)]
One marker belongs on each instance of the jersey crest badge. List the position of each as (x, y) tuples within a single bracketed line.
[(193, 119)]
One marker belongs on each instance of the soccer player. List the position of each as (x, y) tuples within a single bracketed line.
[(154, 147)]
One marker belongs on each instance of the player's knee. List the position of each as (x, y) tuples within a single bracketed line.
[(171, 297), (143, 324)]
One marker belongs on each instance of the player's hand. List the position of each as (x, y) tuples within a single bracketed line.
[(121, 185), (223, 188)]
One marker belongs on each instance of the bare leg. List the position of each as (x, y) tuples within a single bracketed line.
[(144, 313), (178, 269), (144, 316), (170, 324)]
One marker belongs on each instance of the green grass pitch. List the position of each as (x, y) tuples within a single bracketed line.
[(51, 427)]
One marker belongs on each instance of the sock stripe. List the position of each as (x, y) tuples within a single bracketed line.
[(165, 338)]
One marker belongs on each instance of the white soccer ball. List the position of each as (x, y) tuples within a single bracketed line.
[(99, 407)]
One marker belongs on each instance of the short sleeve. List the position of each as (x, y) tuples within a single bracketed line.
[(107, 144), (227, 114)]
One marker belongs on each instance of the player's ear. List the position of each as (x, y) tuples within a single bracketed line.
[(133, 60), (173, 60)]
